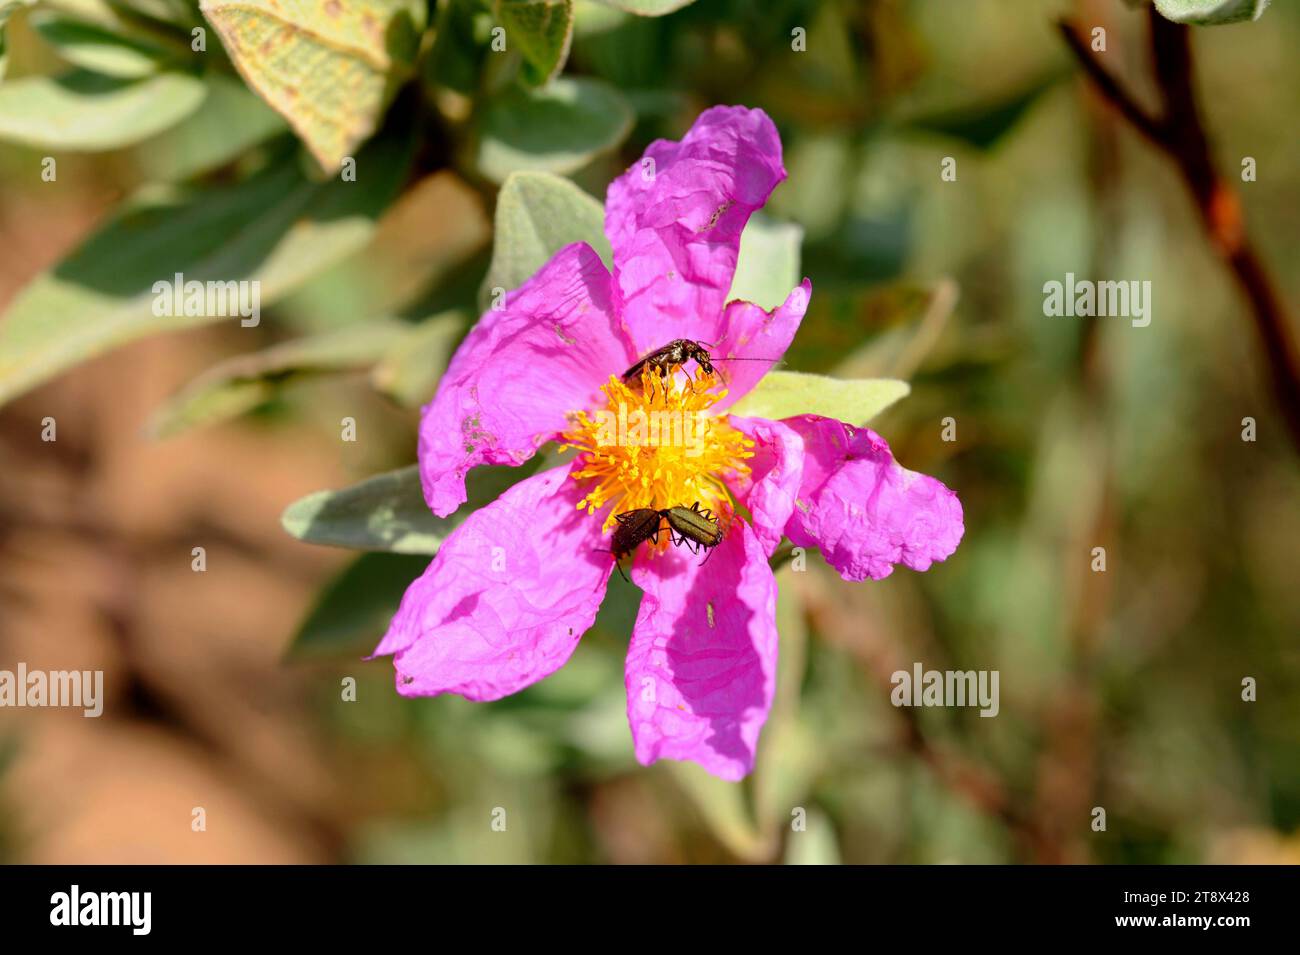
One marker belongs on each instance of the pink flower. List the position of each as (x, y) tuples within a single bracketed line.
[(512, 590)]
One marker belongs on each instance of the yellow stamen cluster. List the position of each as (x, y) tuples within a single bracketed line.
[(655, 445)]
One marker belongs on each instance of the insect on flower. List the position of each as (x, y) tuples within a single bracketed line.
[(697, 529), (515, 586), (671, 357), (677, 353), (691, 527), (634, 529)]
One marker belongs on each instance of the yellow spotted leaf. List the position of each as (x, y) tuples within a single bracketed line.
[(328, 67)]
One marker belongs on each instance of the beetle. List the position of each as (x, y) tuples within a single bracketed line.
[(695, 528), (635, 527), (677, 353), (692, 527)]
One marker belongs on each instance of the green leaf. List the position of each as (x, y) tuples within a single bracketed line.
[(98, 48), (538, 214), (1211, 12), (541, 30), (984, 124), (328, 68), (354, 610), (388, 512), (7, 9), (240, 384), (558, 128), (412, 366), (84, 111), (782, 394), (767, 268), (277, 228), (911, 320), (233, 120), (814, 845), (647, 8), (462, 34), (179, 12)]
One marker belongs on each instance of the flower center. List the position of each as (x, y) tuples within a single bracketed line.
[(655, 445)]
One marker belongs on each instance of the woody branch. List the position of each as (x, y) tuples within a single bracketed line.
[(1177, 131)]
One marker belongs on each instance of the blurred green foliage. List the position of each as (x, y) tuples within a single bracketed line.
[(1120, 689)]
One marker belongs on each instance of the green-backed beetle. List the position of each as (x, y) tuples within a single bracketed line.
[(693, 527)]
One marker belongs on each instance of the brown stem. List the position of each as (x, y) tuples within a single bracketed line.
[(1109, 87), (1179, 133)]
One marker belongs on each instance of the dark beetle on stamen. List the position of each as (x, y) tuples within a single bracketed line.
[(675, 353)]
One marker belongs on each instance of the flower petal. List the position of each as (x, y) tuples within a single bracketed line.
[(507, 597), (759, 338), (863, 509), (701, 667), (770, 490), (675, 225), (519, 372)]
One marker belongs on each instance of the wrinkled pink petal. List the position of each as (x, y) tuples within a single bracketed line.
[(701, 667), (675, 225), (519, 372), (863, 509), (776, 470), (759, 338), (507, 597)]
